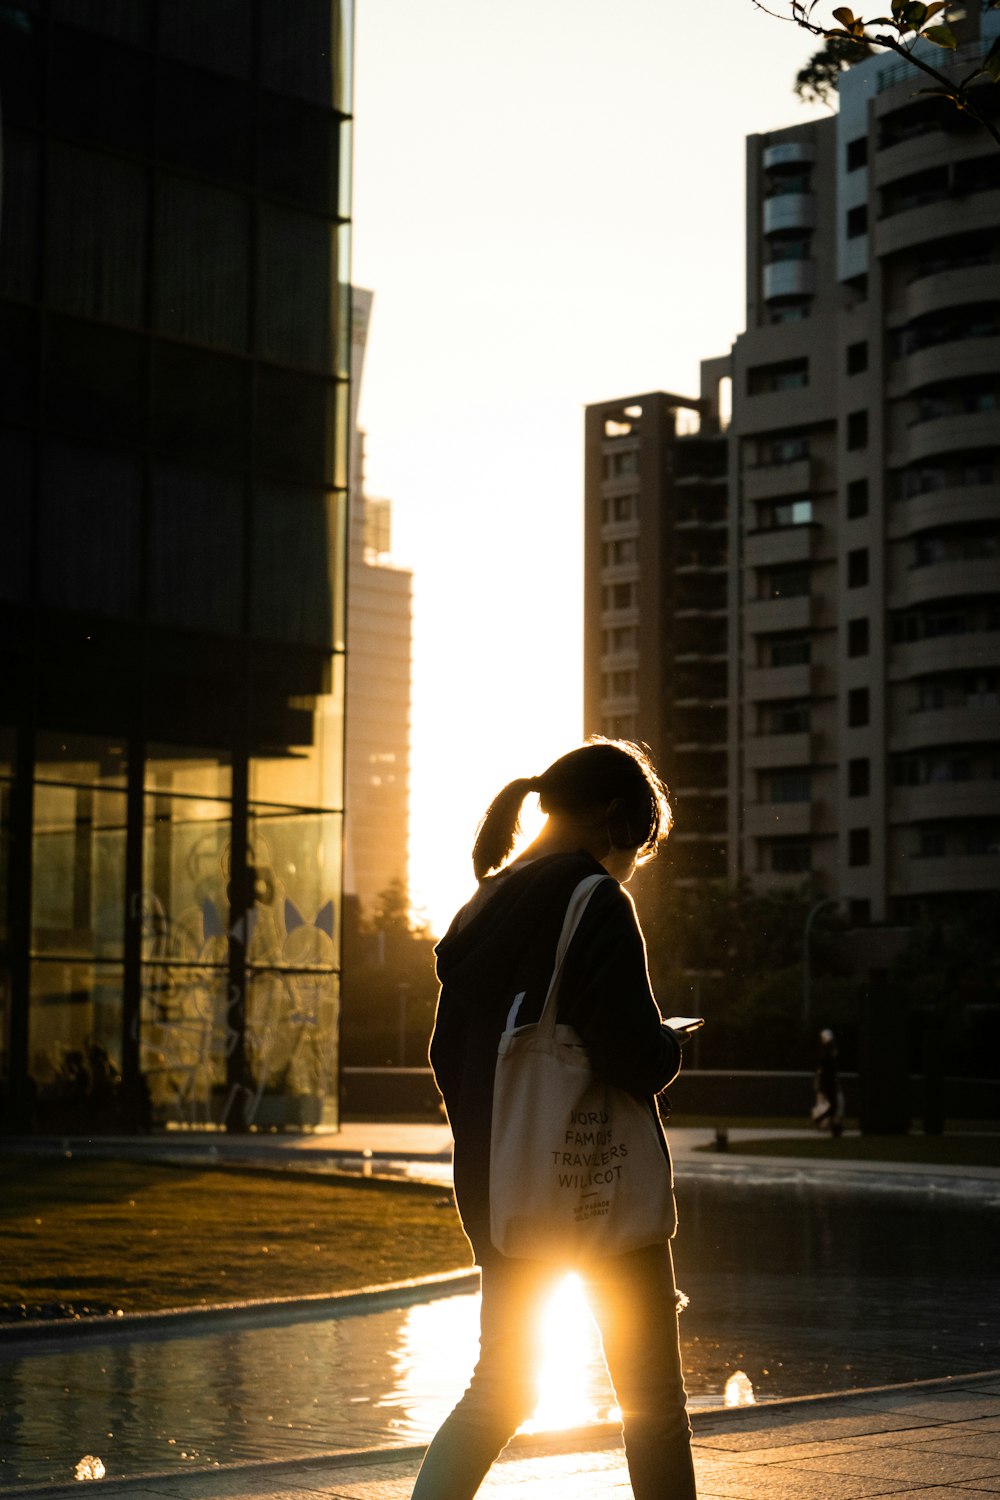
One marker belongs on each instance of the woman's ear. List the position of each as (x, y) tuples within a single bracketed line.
[(619, 831)]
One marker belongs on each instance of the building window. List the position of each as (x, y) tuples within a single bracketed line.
[(857, 499), (789, 651), (792, 311), (617, 554), (932, 844), (618, 639), (786, 450), (619, 727), (786, 513), (786, 583), (857, 637), (788, 375), (859, 846), (790, 786), (857, 429), (858, 711), (622, 684), (616, 596), (791, 859), (790, 717), (857, 221), (857, 357), (618, 508), (792, 247), (857, 568), (857, 153), (859, 777), (859, 912), (617, 465)]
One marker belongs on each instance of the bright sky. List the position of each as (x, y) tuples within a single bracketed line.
[(548, 205)]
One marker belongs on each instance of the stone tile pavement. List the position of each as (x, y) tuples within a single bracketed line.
[(932, 1440)]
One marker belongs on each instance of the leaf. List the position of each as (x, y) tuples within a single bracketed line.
[(915, 14), (941, 36), (932, 10), (991, 62), (845, 17)]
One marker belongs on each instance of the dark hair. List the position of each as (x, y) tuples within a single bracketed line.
[(600, 773)]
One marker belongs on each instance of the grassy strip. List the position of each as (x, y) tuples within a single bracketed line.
[(918, 1150), (139, 1237)]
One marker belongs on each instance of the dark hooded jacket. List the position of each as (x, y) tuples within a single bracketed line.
[(499, 947)]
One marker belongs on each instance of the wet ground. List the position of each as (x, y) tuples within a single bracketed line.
[(805, 1288)]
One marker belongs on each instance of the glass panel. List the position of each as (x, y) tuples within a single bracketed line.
[(74, 1044), (95, 380), (19, 252), (98, 89), (184, 1039), (81, 759), (125, 19), (343, 85), (298, 564), (296, 287), (182, 770), (89, 538), (201, 405), (298, 48), (196, 546), (341, 439), (78, 872), (15, 515), (295, 425), (95, 241), (299, 739), (205, 122), (297, 857), (292, 1041), (217, 36), (345, 175), (343, 362), (202, 262), (298, 154), (19, 358)]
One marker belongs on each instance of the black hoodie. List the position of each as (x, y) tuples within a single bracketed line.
[(496, 950)]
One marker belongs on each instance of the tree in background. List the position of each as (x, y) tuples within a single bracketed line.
[(389, 989), (910, 22)]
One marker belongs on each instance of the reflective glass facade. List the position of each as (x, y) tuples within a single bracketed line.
[(174, 366)]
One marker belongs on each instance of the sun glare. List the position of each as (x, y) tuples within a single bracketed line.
[(573, 1388)]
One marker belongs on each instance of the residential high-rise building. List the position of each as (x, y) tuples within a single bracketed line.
[(379, 632), (174, 367), (865, 504), (655, 601)]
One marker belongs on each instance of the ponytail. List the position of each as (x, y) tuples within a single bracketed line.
[(500, 826)]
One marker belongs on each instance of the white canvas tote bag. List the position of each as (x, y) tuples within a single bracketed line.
[(577, 1165)]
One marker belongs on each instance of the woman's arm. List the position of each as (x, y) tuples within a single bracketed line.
[(605, 994)]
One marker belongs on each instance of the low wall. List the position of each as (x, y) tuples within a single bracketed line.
[(704, 1091)]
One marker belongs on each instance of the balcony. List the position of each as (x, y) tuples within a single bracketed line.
[(784, 544), (768, 684), (947, 289), (772, 481), (948, 799), (789, 278), (961, 503), (770, 819), (944, 653), (952, 434), (945, 580), (789, 211), (965, 724), (779, 751), (789, 154), (951, 361), (952, 216), (768, 616)]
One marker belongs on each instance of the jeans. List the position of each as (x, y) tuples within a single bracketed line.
[(633, 1301)]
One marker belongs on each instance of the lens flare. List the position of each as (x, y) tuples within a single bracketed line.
[(572, 1372)]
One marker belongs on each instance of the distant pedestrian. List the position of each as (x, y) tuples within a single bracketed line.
[(606, 812), (828, 1110)]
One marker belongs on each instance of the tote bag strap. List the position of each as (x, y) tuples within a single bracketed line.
[(574, 912)]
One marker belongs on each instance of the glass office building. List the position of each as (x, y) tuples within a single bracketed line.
[(174, 366)]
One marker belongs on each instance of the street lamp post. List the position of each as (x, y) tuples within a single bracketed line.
[(806, 957)]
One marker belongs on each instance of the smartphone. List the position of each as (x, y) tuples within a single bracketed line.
[(684, 1023)]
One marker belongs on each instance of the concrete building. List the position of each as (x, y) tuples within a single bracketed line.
[(174, 400), (865, 505), (655, 601)]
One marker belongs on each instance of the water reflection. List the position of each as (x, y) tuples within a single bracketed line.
[(802, 1290)]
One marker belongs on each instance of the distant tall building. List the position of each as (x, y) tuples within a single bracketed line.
[(847, 576), (174, 374), (655, 604), (865, 506), (379, 632)]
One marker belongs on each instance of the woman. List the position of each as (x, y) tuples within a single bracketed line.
[(606, 811)]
